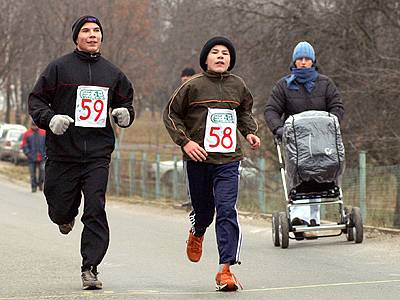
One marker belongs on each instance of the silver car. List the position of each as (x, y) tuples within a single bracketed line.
[(9, 139), (247, 169)]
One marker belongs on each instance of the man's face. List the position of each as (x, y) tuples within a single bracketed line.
[(89, 38), (303, 63), (218, 59)]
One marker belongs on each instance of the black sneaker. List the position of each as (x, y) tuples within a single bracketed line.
[(66, 228), (90, 280)]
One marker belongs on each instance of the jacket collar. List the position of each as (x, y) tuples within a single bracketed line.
[(87, 56), (212, 74)]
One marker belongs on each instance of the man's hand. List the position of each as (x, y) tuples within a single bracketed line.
[(195, 152), (122, 115), (254, 141), (60, 123)]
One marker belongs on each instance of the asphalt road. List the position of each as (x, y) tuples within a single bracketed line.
[(146, 258)]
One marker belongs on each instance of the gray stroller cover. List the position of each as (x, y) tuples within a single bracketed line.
[(313, 148)]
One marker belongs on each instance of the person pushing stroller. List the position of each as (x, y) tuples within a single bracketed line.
[(303, 90)]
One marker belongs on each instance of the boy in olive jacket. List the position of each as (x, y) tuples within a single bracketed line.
[(204, 116)]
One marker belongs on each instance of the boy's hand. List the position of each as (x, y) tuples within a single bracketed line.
[(254, 141), (195, 152)]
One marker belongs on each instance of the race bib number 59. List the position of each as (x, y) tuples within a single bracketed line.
[(220, 135), (91, 106)]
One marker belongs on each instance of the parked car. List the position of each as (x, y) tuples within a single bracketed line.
[(17, 154), (167, 170), (5, 126), (248, 170), (10, 137)]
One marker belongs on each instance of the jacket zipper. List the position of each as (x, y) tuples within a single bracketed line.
[(84, 147), (90, 74), (220, 87), (84, 140)]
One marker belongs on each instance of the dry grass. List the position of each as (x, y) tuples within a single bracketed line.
[(14, 173), (147, 129)]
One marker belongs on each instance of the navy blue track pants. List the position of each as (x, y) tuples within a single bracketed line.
[(214, 188)]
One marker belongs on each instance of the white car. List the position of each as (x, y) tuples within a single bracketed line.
[(10, 138), (5, 126), (248, 170)]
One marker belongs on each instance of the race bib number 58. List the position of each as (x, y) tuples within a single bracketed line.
[(91, 106), (220, 135)]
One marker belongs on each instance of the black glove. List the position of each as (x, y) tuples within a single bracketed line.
[(279, 133)]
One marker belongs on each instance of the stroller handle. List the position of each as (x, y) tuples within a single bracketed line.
[(282, 168)]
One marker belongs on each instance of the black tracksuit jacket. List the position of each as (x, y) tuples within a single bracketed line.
[(55, 93)]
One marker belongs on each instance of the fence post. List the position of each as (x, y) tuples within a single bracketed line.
[(143, 174), (175, 179), (261, 184), (131, 170), (363, 184), (117, 172), (158, 176)]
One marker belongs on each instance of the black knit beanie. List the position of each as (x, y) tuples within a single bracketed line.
[(218, 40), (76, 27)]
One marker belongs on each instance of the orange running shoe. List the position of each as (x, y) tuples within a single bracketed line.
[(226, 281), (194, 247)]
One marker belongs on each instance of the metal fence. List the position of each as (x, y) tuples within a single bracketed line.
[(376, 190)]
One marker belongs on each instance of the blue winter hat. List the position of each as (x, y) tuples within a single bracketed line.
[(303, 49)]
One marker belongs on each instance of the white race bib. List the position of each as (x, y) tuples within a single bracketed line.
[(220, 135), (91, 106)]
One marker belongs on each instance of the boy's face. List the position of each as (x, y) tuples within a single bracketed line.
[(218, 59)]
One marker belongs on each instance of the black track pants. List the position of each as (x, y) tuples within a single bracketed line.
[(64, 183)]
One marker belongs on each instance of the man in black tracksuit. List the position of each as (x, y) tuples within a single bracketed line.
[(71, 101)]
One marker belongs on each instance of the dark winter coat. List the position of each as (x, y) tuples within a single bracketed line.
[(186, 112), (55, 93), (33, 144), (284, 102)]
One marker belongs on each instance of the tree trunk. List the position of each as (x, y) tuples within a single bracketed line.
[(8, 103)]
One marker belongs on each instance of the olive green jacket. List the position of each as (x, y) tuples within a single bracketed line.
[(186, 112)]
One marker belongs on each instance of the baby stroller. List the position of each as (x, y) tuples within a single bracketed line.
[(311, 174)]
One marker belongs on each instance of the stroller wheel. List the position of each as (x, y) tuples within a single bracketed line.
[(283, 230), (357, 222), (275, 229), (350, 233), (349, 226)]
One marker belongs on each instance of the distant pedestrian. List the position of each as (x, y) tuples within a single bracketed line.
[(204, 117), (33, 146), (186, 74), (72, 100)]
